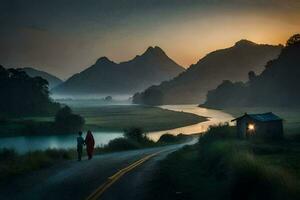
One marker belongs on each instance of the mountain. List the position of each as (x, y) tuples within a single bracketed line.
[(52, 80), (108, 77), (277, 85), (192, 85)]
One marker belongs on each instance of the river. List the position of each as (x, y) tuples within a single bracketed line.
[(214, 117), (24, 144)]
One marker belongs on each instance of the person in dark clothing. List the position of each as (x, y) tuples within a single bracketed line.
[(90, 143), (80, 143)]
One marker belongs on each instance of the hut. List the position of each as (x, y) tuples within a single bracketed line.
[(265, 125)]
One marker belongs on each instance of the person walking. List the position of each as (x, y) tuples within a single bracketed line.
[(80, 143), (90, 143)]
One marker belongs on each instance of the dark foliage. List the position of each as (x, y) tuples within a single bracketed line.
[(66, 121), (169, 138), (108, 98), (230, 93), (295, 39), (137, 135), (121, 144), (151, 96), (277, 85), (22, 95), (52, 80)]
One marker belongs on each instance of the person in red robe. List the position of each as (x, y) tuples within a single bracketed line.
[(90, 143)]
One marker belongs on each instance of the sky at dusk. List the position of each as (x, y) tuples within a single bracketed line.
[(64, 37)]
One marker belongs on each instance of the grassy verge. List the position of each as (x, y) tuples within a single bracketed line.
[(13, 164), (222, 167), (113, 118)]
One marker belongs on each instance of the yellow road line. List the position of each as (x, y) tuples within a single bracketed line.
[(112, 179)]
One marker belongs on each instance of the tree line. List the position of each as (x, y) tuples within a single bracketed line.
[(277, 85)]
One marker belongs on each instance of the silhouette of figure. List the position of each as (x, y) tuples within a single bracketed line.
[(80, 143), (90, 143)]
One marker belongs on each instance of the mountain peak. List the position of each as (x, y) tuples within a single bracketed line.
[(154, 51), (244, 42), (103, 60)]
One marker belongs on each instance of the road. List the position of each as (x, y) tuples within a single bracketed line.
[(119, 175)]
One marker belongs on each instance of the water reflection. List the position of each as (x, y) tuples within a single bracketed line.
[(29, 143), (214, 117)]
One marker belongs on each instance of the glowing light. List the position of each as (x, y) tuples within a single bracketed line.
[(251, 127)]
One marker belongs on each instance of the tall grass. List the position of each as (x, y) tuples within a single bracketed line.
[(13, 164), (224, 157), (252, 179)]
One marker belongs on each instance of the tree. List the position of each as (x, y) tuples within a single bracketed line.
[(295, 39), (251, 75), (22, 95), (108, 98), (66, 121), (152, 96)]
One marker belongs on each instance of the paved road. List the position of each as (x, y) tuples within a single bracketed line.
[(77, 180)]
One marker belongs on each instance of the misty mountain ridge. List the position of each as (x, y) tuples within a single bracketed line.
[(52, 80), (232, 63), (277, 85), (108, 77)]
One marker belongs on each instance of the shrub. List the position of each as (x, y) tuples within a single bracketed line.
[(137, 135), (169, 138), (120, 144), (218, 132), (66, 121), (7, 154)]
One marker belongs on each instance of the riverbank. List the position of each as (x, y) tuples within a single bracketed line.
[(13, 164), (236, 169), (104, 118), (148, 118)]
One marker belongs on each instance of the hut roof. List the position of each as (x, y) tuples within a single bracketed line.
[(264, 117)]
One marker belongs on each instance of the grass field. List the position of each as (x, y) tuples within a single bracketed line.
[(113, 118), (223, 167), (145, 117)]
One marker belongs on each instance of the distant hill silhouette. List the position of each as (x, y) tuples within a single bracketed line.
[(192, 85), (277, 85), (52, 80), (108, 77)]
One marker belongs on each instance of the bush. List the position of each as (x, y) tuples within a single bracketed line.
[(7, 154), (66, 121), (169, 138), (137, 135), (218, 132), (120, 144)]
